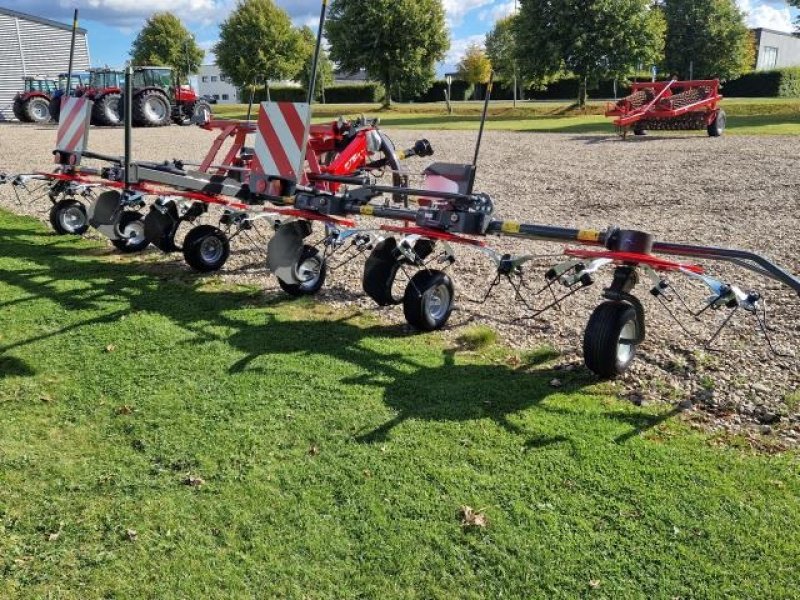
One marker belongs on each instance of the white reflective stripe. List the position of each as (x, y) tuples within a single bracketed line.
[(285, 136), (265, 157), (67, 130)]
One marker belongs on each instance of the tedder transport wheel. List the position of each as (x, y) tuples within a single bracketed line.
[(19, 113), (206, 248), (69, 217), (151, 109), (37, 110), (428, 300), (131, 233), (106, 110), (382, 266), (611, 338), (311, 270), (717, 126)]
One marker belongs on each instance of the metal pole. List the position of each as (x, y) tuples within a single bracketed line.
[(67, 92), (128, 128), (483, 117), (312, 83), (515, 66)]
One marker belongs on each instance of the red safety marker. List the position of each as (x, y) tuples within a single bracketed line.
[(73, 125), (281, 139)]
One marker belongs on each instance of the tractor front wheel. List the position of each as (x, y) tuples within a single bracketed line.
[(37, 110), (206, 248), (18, 112), (68, 217), (428, 300), (611, 339), (151, 109), (131, 233), (310, 271), (717, 126)]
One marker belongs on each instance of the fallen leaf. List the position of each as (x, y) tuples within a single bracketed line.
[(367, 473), (555, 383), (131, 535), (110, 348), (314, 450), (472, 518), (193, 481), (53, 536), (594, 583), (124, 410)]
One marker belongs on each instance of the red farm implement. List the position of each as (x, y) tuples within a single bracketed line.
[(670, 105)]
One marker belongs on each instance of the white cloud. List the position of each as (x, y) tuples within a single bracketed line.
[(456, 10), (767, 15), (498, 11)]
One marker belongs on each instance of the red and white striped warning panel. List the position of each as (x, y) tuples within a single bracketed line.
[(281, 139), (73, 124)]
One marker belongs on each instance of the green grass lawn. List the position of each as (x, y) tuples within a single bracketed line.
[(165, 436), (746, 116)]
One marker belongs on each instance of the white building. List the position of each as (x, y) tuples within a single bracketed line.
[(212, 83), (36, 47)]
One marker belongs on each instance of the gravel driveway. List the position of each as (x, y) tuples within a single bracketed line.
[(731, 191)]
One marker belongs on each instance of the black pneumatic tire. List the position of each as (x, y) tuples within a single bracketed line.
[(55, 108), (313, 284), (18, 112), (140, 115), (68, 217), (107, 110), (420, 307), (717, 127), (604, 332), (131, 221), (30, 109), (206, 248)]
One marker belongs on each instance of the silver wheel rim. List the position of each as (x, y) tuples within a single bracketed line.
[(72, 219), (112, 110), (202, 114), (133, 233), (308, 271), (625, 344), (437, 302), (154, 108), (211, 249), (40, 111)]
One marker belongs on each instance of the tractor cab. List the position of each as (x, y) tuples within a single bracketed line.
[(41, 85), (104, 88), (78, 83), (104, 79), (32, 104)]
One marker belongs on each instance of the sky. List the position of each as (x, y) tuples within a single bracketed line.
[(112, 24)]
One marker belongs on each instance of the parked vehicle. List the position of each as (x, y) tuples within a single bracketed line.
[(32, 104), (105, 90), (77, 86), (158, 98)]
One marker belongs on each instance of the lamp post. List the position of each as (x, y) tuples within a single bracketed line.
[(449, 79)]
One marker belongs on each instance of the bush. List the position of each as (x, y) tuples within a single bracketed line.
[(354, 93), (780, 83), (278, 93)]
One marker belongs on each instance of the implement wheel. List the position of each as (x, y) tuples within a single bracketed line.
[(717, 126), (206, 248), (131, 233), (611, 339), (310, 270), (428, 300), (68, 217)]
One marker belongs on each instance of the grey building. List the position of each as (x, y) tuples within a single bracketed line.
[(776, 49), (34, 46)]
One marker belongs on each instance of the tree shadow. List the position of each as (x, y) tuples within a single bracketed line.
[(11, 366), (452, 389)]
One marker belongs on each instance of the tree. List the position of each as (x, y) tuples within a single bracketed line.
[(398, 42), (164, 41), (592, 39), (474, 66), (258, 40), (324, 68), (710, 39), (500, 48)]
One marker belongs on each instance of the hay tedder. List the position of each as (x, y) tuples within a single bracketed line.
[(331, 179), (670, 105)]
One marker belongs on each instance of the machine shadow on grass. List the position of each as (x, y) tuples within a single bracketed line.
[(454, 389)]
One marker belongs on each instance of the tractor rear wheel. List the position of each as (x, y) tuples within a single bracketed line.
[(18, 112), (611, 338), (106, 110), (68, 217), (151, 109), (131, 233), (428, 300), (37, 109), (206, 248), (717, 126)]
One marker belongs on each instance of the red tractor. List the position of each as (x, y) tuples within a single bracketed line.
[(32, 105), (105, 90), (78, 84), (158, 98)]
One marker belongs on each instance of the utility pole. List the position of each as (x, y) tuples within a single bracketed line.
[(515, 65)]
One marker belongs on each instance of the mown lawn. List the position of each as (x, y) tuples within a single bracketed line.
[(746, 116), (164, 436)]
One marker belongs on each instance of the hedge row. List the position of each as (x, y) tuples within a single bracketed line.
[(336, 94), (780, 83)]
